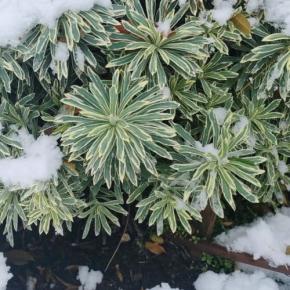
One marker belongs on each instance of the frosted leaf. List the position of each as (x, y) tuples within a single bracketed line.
[(18, 17)]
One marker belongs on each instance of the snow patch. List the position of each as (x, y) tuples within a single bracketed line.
[(252, 140), (223, 10), (61, 52), (208, 148), (181, 2), (253, 21), (220, 114), (282, 167), (89, 279), (17, 17), (163, 286), (164, 27), (235, 281), (240, 125), (31, 283), (40, 161), (283, 125), (276, 12), (5, 276), (273, 232), (165, 92), (80, 59), (254, 5)]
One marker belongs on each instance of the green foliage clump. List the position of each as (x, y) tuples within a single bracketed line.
[(165, 121)]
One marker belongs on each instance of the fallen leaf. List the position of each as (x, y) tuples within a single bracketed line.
[(71, 166), (157, 239), (72, 268), (19, 257), (288, 250), (119, 274), (154, 248), (227, 223), (125, 237), (242, 23)]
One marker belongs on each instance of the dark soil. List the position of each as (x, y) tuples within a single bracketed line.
[(54, 260)]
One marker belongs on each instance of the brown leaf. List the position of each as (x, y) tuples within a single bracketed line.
[(125, 238), (71, 110), (288, 250), (119, 274), (19, 257), (242, 23), (227, 223), (71, 166), (154, 248), (72, 268), (121, 28)]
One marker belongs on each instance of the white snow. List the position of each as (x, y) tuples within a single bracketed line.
[(276, 12), (282, 167), (200, 200), (80, 59), (208, 148), (165, 92), (220, 114), (163, 286), (164, 27), (266, 237), (40, 161), (254, 5), (31, 283), (61, 52), (5, 276), (235, 281), (253, 21), (283, 125), (240, 125), (181, 2), (104, 3), (89, 279), (17, 17), (252, 140), (180, 204), (223, 10)]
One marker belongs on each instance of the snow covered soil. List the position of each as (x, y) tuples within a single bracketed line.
[(266, 237), (235, 281)]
